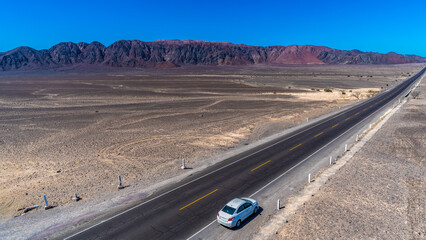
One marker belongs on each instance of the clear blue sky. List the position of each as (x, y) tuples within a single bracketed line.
[(379, 26)]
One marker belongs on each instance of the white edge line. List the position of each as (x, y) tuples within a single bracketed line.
[(293, 167), (202, 229), (320, 122)]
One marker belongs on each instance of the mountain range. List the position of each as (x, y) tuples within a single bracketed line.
[(174, 53)]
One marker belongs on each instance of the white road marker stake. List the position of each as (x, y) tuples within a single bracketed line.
[(183, 164), (76, 197), (46, 206), (278, 204), (370, 125), (309, 178), (307, 119), (331, 160), (120, 186), (346, 147), (356, 139)]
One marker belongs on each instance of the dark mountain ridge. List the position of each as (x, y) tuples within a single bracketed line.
[(173, 53)]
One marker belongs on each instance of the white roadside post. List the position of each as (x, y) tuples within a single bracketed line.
[(346, 147), (278, 204), (183, 164), (120, 185), (331, 160), (309, 178), (76, 197), (356, 139), (46, 206), (307, 119)]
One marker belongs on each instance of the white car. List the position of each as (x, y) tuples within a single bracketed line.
[(236, 211)]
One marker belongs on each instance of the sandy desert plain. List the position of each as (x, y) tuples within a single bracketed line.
[(74, 132)]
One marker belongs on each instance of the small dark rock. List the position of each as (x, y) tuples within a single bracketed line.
[(58, 171)]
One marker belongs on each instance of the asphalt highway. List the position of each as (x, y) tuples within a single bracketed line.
[(181, 210)]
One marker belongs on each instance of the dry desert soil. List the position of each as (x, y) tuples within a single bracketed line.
[(74, 132)]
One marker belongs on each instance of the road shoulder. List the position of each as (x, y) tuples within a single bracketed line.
[(379, 193)]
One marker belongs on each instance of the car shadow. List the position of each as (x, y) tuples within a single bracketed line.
[(247, 220)]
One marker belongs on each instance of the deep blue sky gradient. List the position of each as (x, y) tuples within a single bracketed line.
[(378, 26)]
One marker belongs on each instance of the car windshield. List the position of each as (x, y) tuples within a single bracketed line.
[(228, 210)]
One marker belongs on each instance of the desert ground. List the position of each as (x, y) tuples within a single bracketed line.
[(74, 132), (380, 193)]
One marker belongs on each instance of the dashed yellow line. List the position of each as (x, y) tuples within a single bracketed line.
[(335, 125), (197, 200), (295, 147), (356, 114), (347, 118), (318, 134), (260, 165)]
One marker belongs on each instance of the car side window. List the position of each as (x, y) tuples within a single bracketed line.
[(241, 208), (247, 205)]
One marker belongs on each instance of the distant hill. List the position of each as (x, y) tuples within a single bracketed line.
[(173, 53)]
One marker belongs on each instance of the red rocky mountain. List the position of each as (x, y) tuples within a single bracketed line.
[(173, 53)]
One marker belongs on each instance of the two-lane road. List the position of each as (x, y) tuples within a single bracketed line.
[(183, 209)]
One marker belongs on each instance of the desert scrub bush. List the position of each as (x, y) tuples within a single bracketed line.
[(372, 92), (415, 94), (357, 95), (328, 90)]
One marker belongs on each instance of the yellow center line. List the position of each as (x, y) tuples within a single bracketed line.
[(335, 125), (260, 166), (356, 113), (347, 118), (318, 134), (295, 147), (198, 199)]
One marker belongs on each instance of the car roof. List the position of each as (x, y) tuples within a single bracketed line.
[(236, 202)]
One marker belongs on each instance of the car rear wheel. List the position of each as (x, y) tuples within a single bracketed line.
[(238, 224), (255, 210)]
